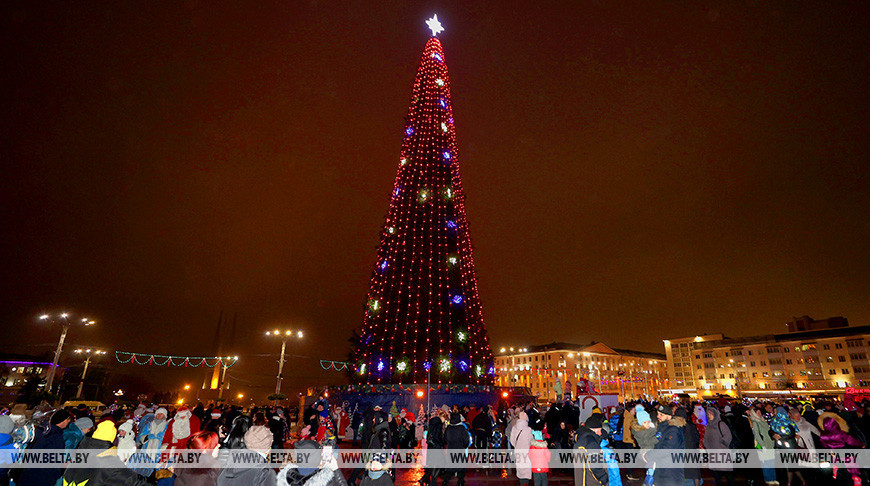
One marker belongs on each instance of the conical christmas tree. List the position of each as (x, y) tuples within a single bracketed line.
[(423, 309)]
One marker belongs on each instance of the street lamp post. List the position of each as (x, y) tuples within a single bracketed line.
[(64, 321), (224, 365), (285, 335), (89, 353)]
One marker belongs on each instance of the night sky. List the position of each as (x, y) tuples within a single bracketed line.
[(633, 172)]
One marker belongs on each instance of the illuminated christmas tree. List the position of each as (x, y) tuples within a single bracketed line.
[(423, 313)]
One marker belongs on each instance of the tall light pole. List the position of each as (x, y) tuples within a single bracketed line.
[(284, 336), (88, 353), (223, 383), (65, 321)]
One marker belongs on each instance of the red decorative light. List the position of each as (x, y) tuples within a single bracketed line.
[(426, 241)]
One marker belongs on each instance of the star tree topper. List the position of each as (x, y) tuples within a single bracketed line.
[(434, 25)]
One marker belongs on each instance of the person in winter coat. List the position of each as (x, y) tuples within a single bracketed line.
[(47, 438), (126, 441), (806, 430), (457, 437), (322, 470), (235, 444), (258, 437), (835, 435), (718, 436), (108, 468), (671, 436), (76, 431), (588, 440), (763, 442), (539, 455), (692, 441), (521, 440), (784, 432), (206, 442), (434, 445), (482, 425)]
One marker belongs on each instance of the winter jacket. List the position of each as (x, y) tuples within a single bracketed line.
[(760, 431), (540, 456), (692, 441), (245, 476), (72, 435), (589, 473), (291, 476), (107, 468), (616, 422), (671, 436), (646, 438), (833, 434), (521, 439), (456, 436), (45, 439), (627, 422), (717, 436)]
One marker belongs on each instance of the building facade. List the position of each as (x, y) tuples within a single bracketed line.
[(819, 360), (628, 373)]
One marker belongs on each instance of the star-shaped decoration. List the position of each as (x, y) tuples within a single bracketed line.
[(434, 25)]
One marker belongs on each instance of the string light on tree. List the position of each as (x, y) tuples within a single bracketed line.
[(423, 304)]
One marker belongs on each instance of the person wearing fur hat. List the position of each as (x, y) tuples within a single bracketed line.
[(151, 435), (180, 428), (107, 467), (126, 441)]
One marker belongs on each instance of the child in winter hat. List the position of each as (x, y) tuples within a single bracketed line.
[(642, 415)]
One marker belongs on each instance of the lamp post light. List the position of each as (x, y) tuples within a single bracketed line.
[(224, 366), (88, 353), (65, 321), (284, 336)]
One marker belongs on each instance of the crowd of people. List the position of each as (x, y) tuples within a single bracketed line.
[(532, 431)]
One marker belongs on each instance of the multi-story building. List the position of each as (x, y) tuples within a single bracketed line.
[(610, 370), (681, 365), (816, 357)]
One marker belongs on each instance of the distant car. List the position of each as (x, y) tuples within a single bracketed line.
[(96, 407)]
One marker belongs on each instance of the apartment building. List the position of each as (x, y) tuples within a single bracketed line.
[(625, 372), (814, 358)]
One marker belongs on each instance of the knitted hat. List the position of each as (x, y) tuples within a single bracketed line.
[(642, 414), (105, 431), (84, 423)]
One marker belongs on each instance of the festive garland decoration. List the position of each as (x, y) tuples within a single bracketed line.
[(334, 365), (125, 357)]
